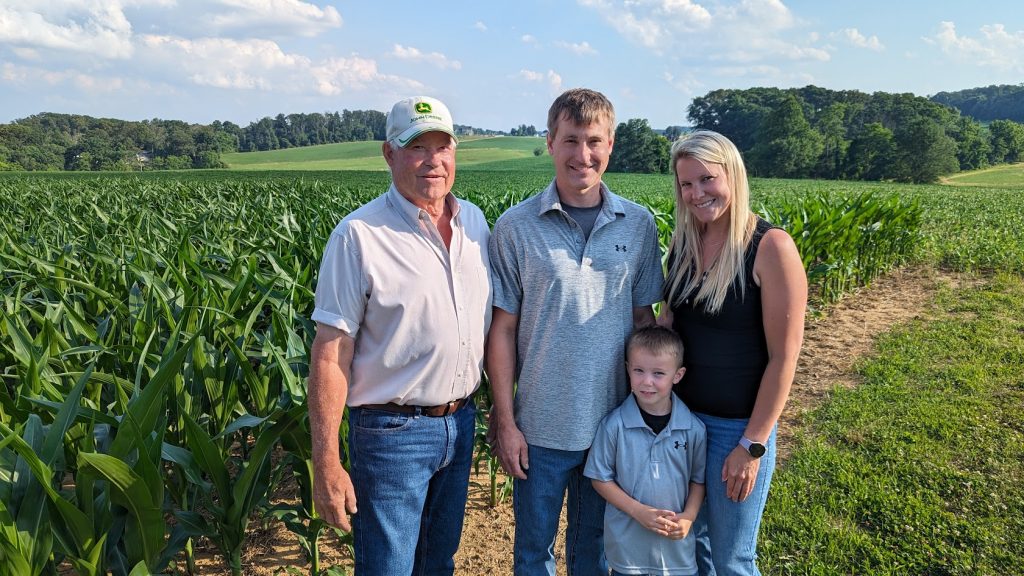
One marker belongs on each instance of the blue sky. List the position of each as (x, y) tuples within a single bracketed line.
[(496, 64)]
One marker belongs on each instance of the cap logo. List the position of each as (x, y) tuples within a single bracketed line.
[(423, 108)]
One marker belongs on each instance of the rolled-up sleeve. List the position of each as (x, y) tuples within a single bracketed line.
[(341, 289)]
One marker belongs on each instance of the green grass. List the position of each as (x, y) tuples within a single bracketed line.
[(473, 153), (920, 468), (1004, 175)]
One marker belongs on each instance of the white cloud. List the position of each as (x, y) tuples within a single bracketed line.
[(995, 47), (480, 26), (530, 75), (433, 58), (263, 65), (339, 75), (274, 16), (73, 44), (551, 78), (99, 28), (528, 39), (735, 31), (688, 86), (854, 36), (222, 62), (580, 49), (88, 83), (554, 82), (651, 23), (26, 53)]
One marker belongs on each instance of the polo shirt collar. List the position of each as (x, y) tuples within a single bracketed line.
[(411, 212), (610, 205), (681, 418)]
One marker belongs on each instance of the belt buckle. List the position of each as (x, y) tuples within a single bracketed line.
[(448, 408)]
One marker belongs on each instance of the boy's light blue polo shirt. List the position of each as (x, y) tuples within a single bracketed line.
[(654, 470)]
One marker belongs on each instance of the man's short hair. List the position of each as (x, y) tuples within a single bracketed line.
[(656, 340), (583, 107)]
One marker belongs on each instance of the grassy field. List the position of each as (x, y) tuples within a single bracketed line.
[(919, 469), (1006, 175), (473, 153)]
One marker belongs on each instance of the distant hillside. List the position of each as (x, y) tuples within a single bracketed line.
[(1003, 102), (473, 153)]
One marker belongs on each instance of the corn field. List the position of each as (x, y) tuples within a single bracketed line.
[(155, 334)]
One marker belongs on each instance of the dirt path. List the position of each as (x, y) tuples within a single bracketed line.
[(832, 344)]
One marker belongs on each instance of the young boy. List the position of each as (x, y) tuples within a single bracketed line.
[(648, 461)]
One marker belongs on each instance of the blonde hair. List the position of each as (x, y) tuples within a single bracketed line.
[(582, 107), (686, 247), (656, 340)]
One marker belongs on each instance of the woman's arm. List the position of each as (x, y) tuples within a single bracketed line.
[(780, 274)]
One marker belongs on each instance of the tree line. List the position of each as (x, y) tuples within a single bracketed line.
[(50, 141), (74, 142), (996, 102), (813, 132), (808, 132)]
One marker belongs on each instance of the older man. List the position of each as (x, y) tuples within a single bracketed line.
[(403, 303)]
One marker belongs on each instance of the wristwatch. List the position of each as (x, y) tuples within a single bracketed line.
[(755, 449)]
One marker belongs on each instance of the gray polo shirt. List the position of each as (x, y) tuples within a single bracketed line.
[(418, 312), (574, 298), (654, 470)]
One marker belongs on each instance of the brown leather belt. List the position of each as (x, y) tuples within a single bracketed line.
[(433, 411)]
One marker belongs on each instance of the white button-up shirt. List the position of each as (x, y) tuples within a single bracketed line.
[(418, 312)]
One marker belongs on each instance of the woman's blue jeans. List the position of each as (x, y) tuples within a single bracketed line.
[(537, 503), (726, 531), (411, 476)]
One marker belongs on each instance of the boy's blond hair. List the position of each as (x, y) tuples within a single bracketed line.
[(657, 340)]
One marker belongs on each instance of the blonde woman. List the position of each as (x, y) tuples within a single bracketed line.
[(736, 292)]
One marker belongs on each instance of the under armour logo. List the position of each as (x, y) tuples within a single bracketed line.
[(685, 445), (620, 247)]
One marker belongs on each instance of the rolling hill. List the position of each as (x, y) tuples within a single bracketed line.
[(473, 153)]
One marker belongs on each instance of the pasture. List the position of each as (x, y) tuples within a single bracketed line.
[(474, 153), (155, 334), (1001, 176)]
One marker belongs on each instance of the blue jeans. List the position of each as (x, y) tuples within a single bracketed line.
[(411, 476), (614, 573), (537, 504), (726, 531)]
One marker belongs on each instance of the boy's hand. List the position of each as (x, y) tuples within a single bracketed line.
[(680, 526), (657, 521)]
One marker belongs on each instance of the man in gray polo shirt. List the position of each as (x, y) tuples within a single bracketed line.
[(575, 268), (403, 305)]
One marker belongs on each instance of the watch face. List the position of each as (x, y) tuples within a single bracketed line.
[(756, 449)]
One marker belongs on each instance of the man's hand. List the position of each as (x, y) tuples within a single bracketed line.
[(509, 444), (334, 497)]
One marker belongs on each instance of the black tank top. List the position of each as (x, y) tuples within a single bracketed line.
[(726, 353)]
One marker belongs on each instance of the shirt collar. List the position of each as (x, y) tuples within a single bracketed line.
[(681, 418), (411, 212), (610, 204)]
